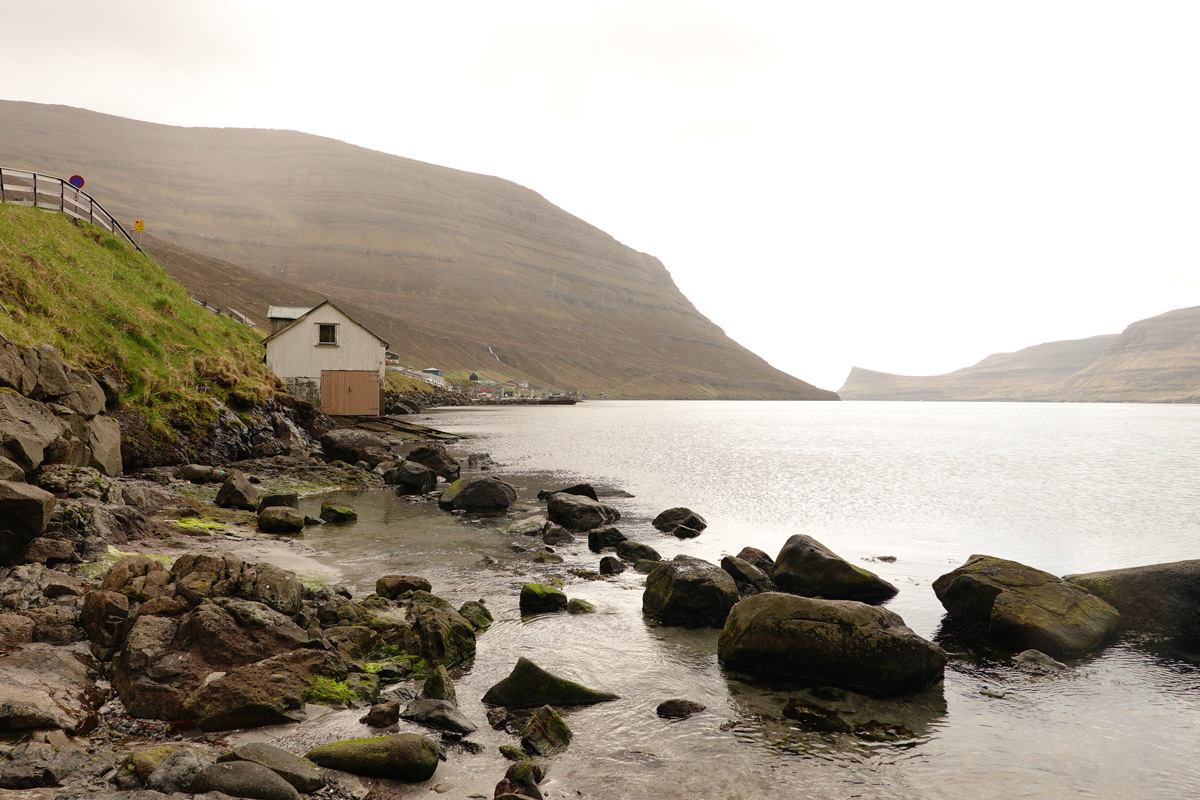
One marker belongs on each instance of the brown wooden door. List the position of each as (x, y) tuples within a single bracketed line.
[(350, 392)]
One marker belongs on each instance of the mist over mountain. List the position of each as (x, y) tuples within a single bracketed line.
[(454, 269)]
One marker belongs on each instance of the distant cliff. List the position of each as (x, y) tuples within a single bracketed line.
[(455, 270), (1155, 360)]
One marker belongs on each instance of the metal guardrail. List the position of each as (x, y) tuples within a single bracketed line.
[(24, 188)]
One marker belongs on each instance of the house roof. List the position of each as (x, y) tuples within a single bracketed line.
[(308, 311), (287, 312)]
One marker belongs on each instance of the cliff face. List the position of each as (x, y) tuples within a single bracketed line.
[(1155, 360), (457, 270)]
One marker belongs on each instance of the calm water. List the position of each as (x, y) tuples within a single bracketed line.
[(1065, 488)]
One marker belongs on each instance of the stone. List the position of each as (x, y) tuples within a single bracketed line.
[(689, 592), (438, 685), (44, 550), (407, 757), (556, 534), (103, 439), (632, 552), (411, 478), (394, 586), (434, 457), (477, 495), (15, 629), (1158, 599), (85, 396), (530, 526), (525, 775), (443, 635), (684, 532), (50, 373), (32, 765), (828, 642), (674, 518), (758, 558), (104, 618), (1018, 607), (678, 708), (546, 733), (578, 513), (199, 474), (815, 718), (289, 499), (749, 578), (237, 492), (476, 613), (382, 715), (47, 687), (27, 429), (177, 771), (806, 567), (244, 779), (353, 446), (199, 576), (539, 599), (581, 489), (530, 686), (301, 773), (441, 714), (606, 538), (11, 471), (577, 606), (267, 692), (609, 565), (332, 511), (280, 519), (24, 513)]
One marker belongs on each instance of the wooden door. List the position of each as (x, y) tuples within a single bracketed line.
[(350, 392)]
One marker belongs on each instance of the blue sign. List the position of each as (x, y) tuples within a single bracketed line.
[(77, 181)]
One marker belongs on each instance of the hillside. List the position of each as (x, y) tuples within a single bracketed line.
[(456, 270), (1155, 360)]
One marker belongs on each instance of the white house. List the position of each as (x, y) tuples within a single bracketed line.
[(326, 357)]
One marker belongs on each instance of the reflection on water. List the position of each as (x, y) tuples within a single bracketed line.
[(1062, 488)]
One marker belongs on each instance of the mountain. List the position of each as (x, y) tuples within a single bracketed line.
[(456, 270), (1155, 360)]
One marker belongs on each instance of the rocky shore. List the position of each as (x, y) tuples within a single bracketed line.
[(146, 622)]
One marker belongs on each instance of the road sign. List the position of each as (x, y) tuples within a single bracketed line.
[(139, 224), (77, 181)]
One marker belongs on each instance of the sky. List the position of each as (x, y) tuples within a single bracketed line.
[(902, 186)]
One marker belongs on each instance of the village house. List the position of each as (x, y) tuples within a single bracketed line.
[(328, 358)]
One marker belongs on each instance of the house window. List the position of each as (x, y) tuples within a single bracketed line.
[(327, 334)]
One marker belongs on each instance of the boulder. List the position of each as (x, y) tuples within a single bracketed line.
[(332, 511), (578, 513), (674, 518), (280, 519), (438, 685), (50, 374), (749, 578), (1159, 599), (477, 495), (530, 526), (546, 733), (476, 613), (13, 372), (237, 492), (394, 586), (353, 446), (267, 692), (177, 771), (24, 513), (289, 499), (15, 629), (299, 772), (243, 779), (42, 686), (104, 618), (632, 552), (836, 642), (808, 568), (556, 534), (443, 635), (199, 474), (1019, 607), (606, 538), (407, 757), (11, 471), (530, 686), (411, 478), (609, 565), (581, 489), (441, 714), (103, 439), (689, 592), (678, 708), (758, 558), (84, 395), (382, 715), (539, 599), (27, 429), (578, 605), (31, 765), (434, 457), (199, 576)]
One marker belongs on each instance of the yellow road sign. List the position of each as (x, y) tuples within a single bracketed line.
[(139, 224)]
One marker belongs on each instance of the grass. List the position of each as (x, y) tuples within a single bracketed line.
[(106, 307)]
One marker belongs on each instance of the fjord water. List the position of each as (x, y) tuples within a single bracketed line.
[(1065, 488)]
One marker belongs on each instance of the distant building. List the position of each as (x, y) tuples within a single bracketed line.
[(328, 358)]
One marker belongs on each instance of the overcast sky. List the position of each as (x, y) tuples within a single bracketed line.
[(903, 186)]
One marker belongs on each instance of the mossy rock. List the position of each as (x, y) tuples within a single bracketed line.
[(477, 614), (537, 598), (577, 606), (530, 686), (146, 760), (407, 757), (336, 512)]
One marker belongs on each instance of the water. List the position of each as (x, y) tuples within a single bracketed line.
[(1065, 488)]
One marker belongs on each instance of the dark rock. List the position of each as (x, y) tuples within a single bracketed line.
[(434, 457), (578, 606), (103, 439), (673, 518), (645, 566), (24, 513), (444, 636), (27, 430), (11, 471), (606, 538), (1159, 599), (525, 775), (382, 715), (837, 642), (44, 550), (407, 757), (267, 692), (15, 629), (199, 473), (577, 513), (244, 779), (198, 576), (749, 578), (1020, 607), (289, 499), (280, 519), (477, 614), (32, 765), (556, 534), (684, 532), (632, 552), (394, 586), (678, 709), (546, 733), (497, 718), (177, 771), (689, 592), (104, 618), (530, 526), (758, 558), (548, 556), (581, 489), (441, 714), (477, 495), (1037, 661), (808, 568), (237, 492), (530, 686), (353, 446), (337, 512), (299, 772), (438, 685), (816, 719), (411, 478), (539, 599), (46, 687), (611, 566)]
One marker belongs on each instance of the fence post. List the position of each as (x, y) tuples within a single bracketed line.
[(2, 198)]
